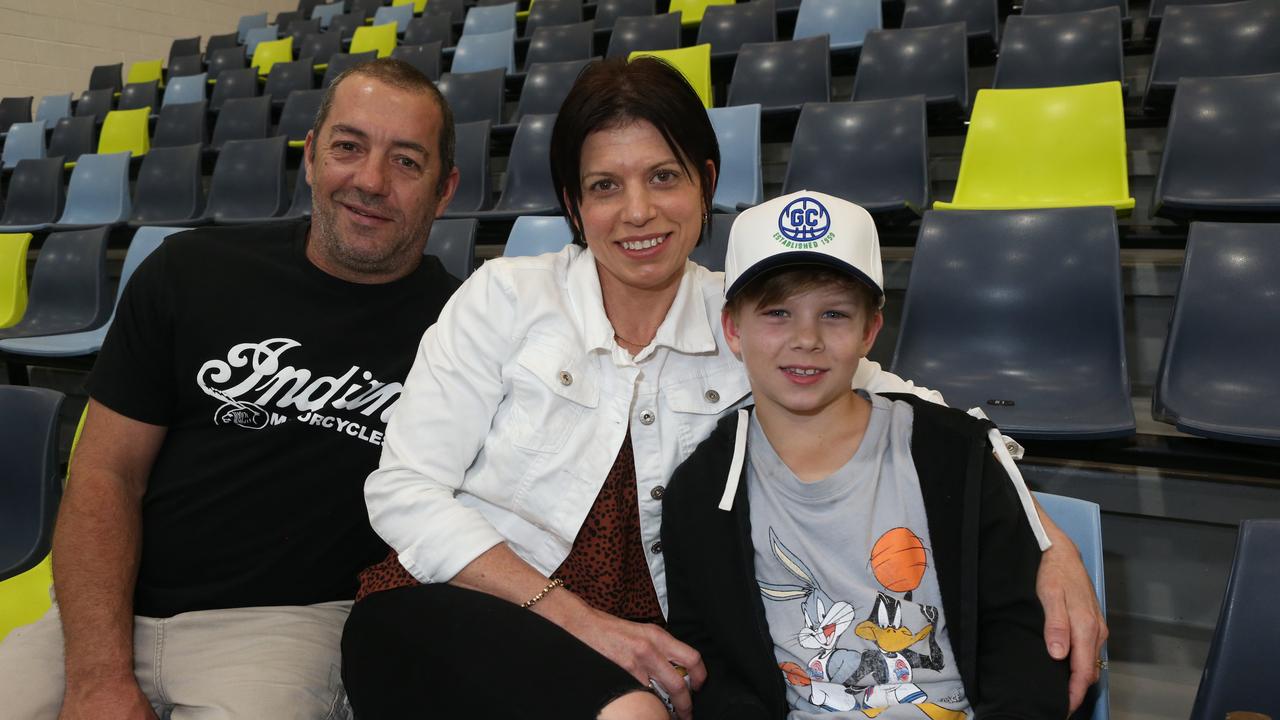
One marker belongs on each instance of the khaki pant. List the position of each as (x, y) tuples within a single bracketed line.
[(280, 663)]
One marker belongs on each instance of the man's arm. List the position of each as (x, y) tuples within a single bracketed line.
[(96, 546)]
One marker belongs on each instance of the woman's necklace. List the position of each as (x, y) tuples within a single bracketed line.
[(632, 343)]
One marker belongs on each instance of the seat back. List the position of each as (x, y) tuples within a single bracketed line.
[(1246, 629), (69, 289), (300, 206), (35, 194), (126, 131), (1081, 521), (784, 74), (340, 62), (475, 96), (691, 11), (1045, 147), (242, 119), (184, 124), (107, 77), (417, 6), (13, 277), (170, 187), (426, 58), (454, 242), (146, 71), (185, 65), (729, 27), (711, 251), (550, 13), (299, 29), (241, 83), (741, 181), (72, 137), (299, 115), (398, 15), (1061, 49), (930, 61), (181, 47), (608, 11), (560, 43), (527, 187), (25, 142), (185, 89), (319, 47), (217, 43), (326, 13), (225, 60), (287, 78), (53, 108), (546, 85), (258, 36), (248, 181), (429, 29), (489, 19), (478, 52), (1222, 150), (14, 110), (692, 62), (1049, 7), (649, 32), (847, 22), (271, 52), (248, 23), (1213, 344), (99, 191), (471, 156), (31, 485), (96, 104), (840, 149), (455, 9), (378, 38), (981, 17), (1235, 38), (536, 236), (1037, 340), (345, 26), (139, 95)]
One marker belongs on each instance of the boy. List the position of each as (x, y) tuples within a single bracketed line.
[(838, 555)]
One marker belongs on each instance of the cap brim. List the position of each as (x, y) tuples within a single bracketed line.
[(801, 257)]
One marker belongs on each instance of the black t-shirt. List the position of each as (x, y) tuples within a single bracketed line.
[(275, 381)]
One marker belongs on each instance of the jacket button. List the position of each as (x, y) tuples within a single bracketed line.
[(656, 548), (657, 492), (712, 396), (647, 417), (565, 378)]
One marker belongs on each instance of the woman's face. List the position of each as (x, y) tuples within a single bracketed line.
[(641, 208)]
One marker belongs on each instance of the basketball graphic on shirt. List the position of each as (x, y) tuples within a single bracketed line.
[(898, 560)]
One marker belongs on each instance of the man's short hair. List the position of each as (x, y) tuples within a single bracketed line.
[(403, 76), (775, 286)]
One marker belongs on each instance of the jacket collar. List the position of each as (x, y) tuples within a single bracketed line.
[(686, 329)]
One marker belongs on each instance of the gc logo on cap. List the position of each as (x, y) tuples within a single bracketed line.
[(804, 220)]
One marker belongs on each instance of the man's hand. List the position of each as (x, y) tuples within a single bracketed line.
[(647, 652), (106, 700), (1073, 622)]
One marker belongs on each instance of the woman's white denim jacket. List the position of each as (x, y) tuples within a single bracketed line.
[(518, 402)]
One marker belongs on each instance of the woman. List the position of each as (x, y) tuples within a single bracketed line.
[(523, 471)]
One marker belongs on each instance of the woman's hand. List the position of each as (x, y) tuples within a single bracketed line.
[(644, 650), (1073, 622)]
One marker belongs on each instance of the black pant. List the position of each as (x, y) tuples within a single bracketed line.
[(439, 651)]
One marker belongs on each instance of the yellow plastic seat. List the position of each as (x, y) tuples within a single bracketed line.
[(691, 10), (13, 277), (126, 131), (692, 62), (25, 598), (381, 38), (270, 52), (419, 6), (1044, 148), (146, 71)]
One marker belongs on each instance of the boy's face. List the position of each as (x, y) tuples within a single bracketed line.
[(801, 353)]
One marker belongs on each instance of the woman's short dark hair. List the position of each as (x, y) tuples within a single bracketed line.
[(613, 93)]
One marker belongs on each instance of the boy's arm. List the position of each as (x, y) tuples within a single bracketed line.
[(1016, 676)]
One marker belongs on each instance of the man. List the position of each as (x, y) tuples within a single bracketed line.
[(207, 548)]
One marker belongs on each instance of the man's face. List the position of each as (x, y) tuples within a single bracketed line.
[(374, 171)]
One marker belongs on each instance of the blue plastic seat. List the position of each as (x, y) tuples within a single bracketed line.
[(170, 187), (185, 89), (69, 289), (326, 13), (644, 32), (561, 43), (475, 96), (245, 118), (53, 108), (527, 187), (551, 13), (931, 61), (25, 142), (454, 242), (471, 157), (711, 251), (35, 196), (486, 51), (981, 17), (545, 87), (1222, 150), (1081, 521), (536, 236), (31, 484), (846, 21), (481, 20), (260, 35), (782, 76), (741, 180), (1247, 630), (841, 149), (98, 193), (1061, 49), (145, 241), (248, 23), (1020, 313), (248, 182), (398, 14), (1217, 375), (729, 27)]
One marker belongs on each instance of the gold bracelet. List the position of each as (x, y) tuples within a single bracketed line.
[(550, 586)]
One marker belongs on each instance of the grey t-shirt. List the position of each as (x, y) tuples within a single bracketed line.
[(849, 587)]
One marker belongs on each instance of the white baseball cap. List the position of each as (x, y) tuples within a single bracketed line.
[(804, 228)]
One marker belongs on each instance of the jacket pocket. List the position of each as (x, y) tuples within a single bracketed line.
[(549, 395)]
